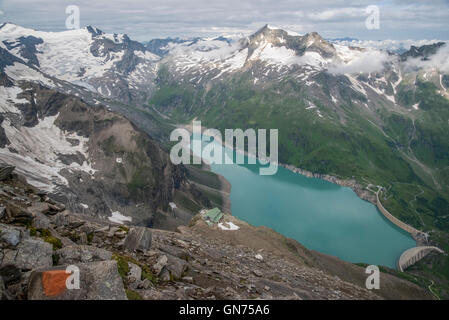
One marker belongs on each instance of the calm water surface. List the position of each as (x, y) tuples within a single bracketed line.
[(320, 215)]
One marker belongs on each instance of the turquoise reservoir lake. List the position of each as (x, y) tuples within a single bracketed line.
[(320, 215)]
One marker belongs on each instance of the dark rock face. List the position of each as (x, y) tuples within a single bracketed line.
[(117, 80), (133, 175), (5, 170), (27, 47), (103, 47), (423, 52), (94, 31), (7, 59), (3, 138)]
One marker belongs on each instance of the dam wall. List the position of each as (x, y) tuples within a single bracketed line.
[(414, 232), (411, 256)]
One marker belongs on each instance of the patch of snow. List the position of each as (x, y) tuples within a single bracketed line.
[(37, 151), (84, 85), (117, 217), (285, 56), (147, 55), (290, 33), (85, 206), (356, 85), (63, 54), (19, 71), (172, 205), (8, 99), (395, 85), (231, 226), (334, 100)]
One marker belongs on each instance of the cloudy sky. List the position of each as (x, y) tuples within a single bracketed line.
[(146, 19)]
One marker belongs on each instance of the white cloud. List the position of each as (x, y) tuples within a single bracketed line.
[(143, 19), (391, 45), (368, 61)]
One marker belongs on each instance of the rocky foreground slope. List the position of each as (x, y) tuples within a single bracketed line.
[(39, 238)]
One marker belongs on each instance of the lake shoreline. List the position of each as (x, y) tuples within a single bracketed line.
[(360, 190)]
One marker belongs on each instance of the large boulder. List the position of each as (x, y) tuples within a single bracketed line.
[(22, 251), (171, 264), (41, 221), (138, 238), (160, 264), (81, 254), (97, 281), (176, 266), (10, 236), (17, 214), (29, 254), (39, 207)]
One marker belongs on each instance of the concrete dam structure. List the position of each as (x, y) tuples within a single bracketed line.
[(411, 256), (395, 220)]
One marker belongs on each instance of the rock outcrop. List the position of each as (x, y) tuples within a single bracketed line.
[(138, 238)]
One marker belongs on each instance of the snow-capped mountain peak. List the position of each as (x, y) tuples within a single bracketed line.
[(112, 64)]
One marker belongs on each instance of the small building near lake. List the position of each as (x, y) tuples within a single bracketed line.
[(212, 216)]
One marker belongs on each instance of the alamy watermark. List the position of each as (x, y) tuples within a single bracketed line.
[(73, 19), (213, 152), (373, 280), (372, 22), (73, 280)]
